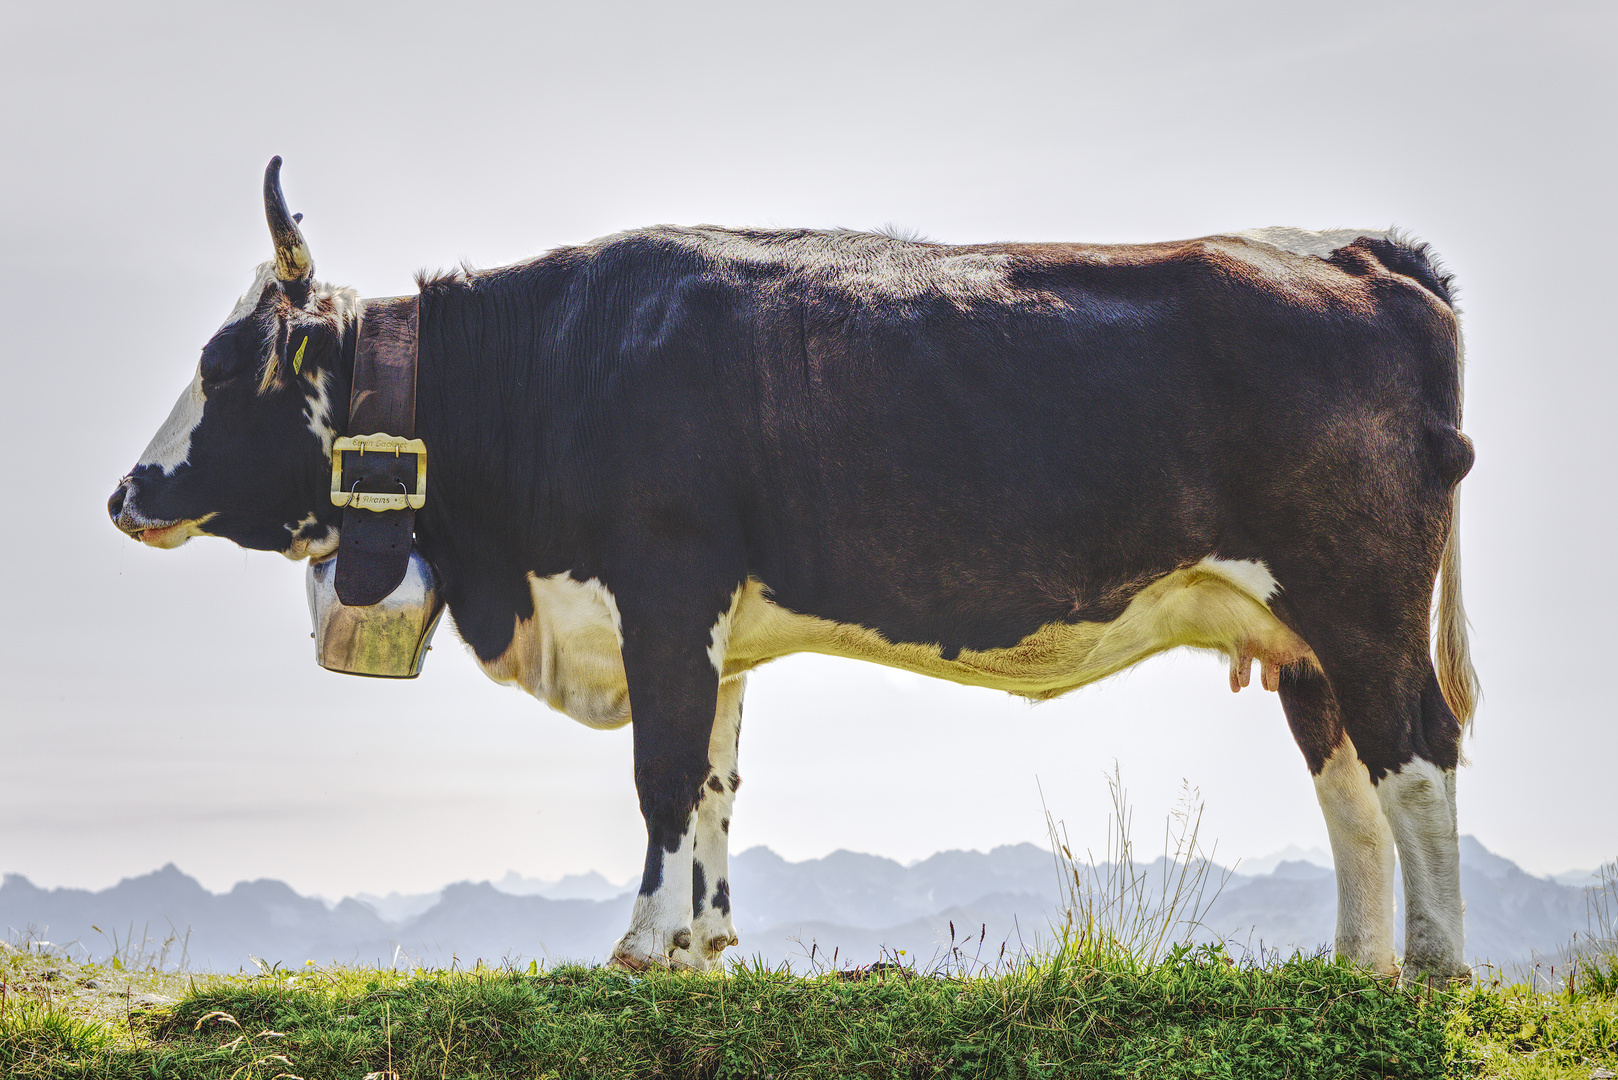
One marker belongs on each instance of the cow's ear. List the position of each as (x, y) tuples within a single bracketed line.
[(308, 348)]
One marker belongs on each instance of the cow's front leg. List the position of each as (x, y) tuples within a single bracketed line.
[(673, 694), (712, 929)]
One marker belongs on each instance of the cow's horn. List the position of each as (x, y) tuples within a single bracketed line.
[(292, 259)]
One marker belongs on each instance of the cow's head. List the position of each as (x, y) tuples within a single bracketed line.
[(246, 452)]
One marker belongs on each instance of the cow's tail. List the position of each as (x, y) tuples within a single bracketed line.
[(1456, 677)]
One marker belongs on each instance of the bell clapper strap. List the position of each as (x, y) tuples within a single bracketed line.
[(371, 474)]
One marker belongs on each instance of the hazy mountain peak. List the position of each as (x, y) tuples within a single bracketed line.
[(1474, 856), (1300, 870), (854, 902), (1266, 864)]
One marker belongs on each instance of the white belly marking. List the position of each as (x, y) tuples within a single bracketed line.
[(568, 653), (1216, 604)]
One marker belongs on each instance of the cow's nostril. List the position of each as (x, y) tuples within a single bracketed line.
[(115, 505)]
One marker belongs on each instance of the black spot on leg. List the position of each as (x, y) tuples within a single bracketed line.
[(699, 888), (735, 781), (724, 824), (713, 782), (721, 896)]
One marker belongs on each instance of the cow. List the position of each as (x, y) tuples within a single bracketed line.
[(665, 457)]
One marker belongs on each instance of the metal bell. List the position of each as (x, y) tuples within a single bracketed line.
[(387, 639)]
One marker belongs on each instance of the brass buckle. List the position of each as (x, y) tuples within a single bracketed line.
[(375, 500)]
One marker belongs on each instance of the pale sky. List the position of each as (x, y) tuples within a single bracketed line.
[(165, 706)]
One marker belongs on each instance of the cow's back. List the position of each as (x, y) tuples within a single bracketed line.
[(999, 429)]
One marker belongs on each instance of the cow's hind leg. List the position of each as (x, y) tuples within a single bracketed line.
[(1392, 772), (712, 930), (1362, 844), (1418, 798)]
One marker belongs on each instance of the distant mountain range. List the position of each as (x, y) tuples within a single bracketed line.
[(851, 906)]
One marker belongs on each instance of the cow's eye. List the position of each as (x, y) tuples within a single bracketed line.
[(215, 365), (231, 353)]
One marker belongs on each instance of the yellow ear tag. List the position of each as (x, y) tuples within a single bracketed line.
[(297, 361)]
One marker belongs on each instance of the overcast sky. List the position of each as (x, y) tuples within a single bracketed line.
[(166, 706)]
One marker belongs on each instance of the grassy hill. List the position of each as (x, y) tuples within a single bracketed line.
[(1080, 1012)]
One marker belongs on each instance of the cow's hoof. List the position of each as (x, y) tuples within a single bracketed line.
[(719, 943), (674, 960), (627, 962), (634, 952), (690, 960)]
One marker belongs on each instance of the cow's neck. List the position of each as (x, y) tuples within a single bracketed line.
[(491, 516)]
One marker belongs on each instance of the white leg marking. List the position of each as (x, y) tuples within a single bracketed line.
[(659, 932), (1362, 847), (1419, 801), (713, 930)]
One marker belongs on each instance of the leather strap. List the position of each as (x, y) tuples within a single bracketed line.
[(373, 551)]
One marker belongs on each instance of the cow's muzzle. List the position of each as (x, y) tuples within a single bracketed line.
[(125, 512)]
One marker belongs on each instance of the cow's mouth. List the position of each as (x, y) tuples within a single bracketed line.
[(161, 534), (132, 523), (167, 536)]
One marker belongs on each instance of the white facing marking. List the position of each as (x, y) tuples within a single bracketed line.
[(569, 653), (1419, 802), (171, 446), (1362, 848), (1306, 242)]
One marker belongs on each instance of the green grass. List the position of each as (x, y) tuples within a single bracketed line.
[(1084, 1011), (1498, 1029), (1115, 999), (1075, 1014)]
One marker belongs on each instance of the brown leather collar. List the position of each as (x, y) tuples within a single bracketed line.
[(373, 551)]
